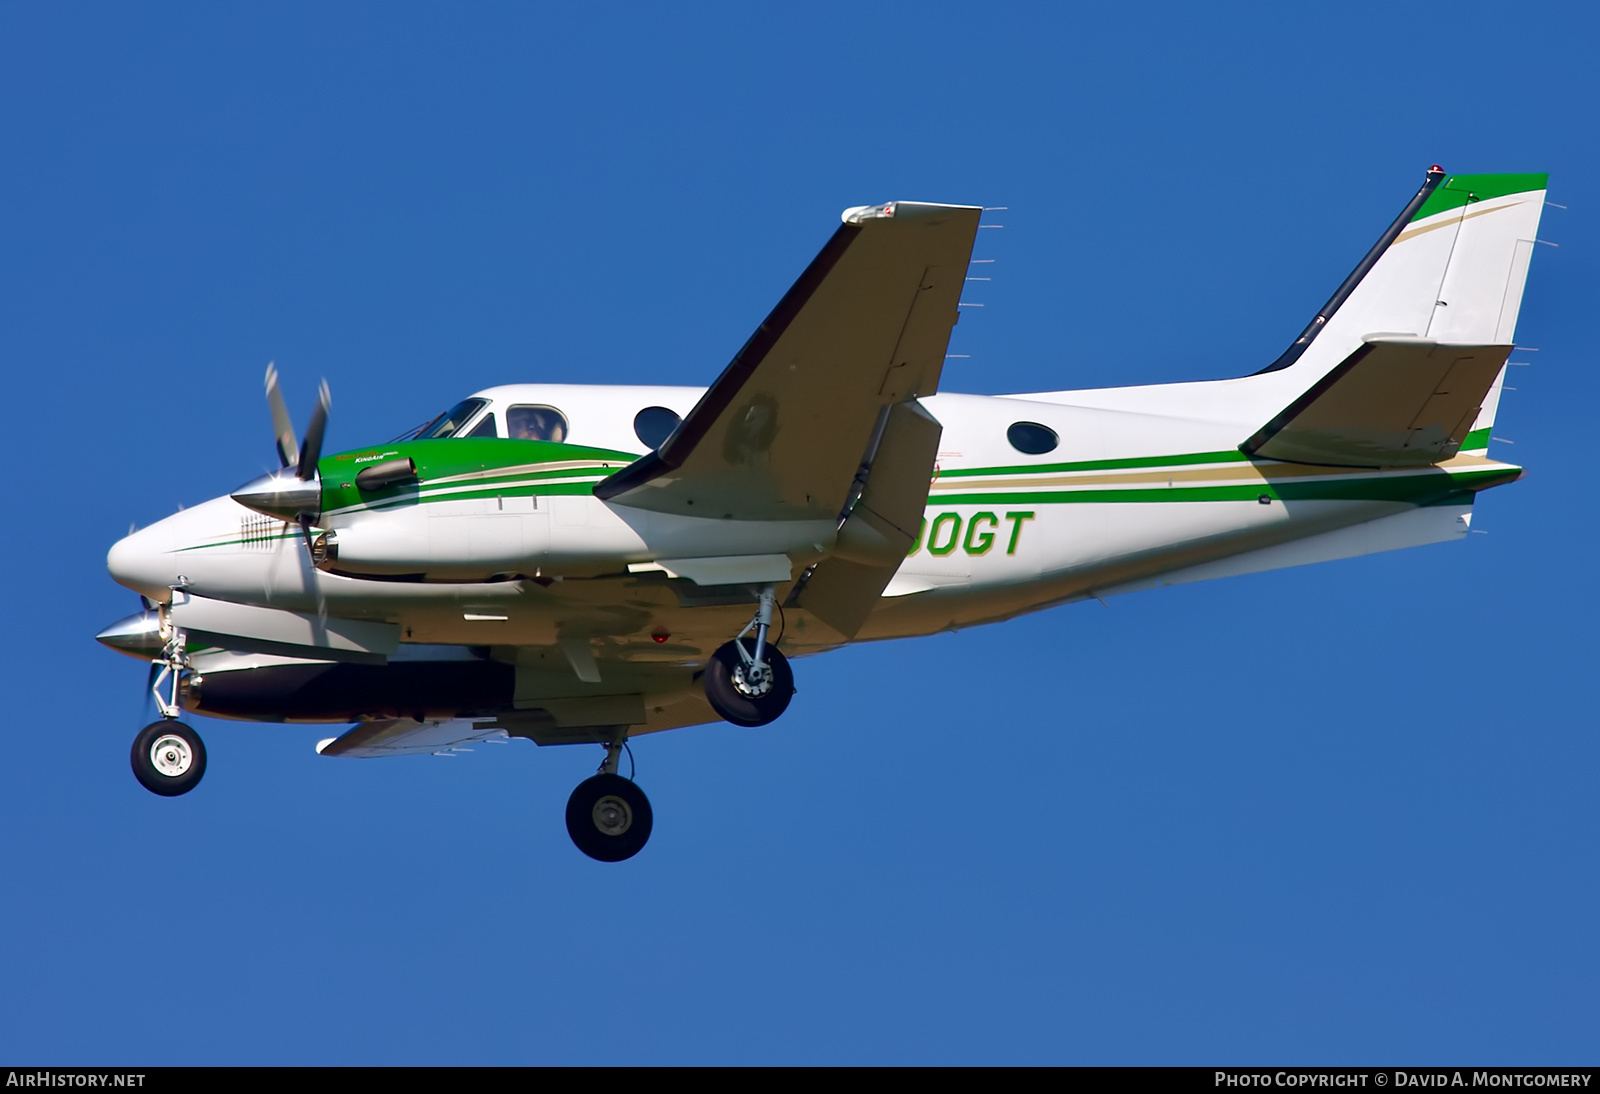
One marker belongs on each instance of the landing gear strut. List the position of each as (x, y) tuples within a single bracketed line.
[(748, 681), (168, 757), (608, 817)]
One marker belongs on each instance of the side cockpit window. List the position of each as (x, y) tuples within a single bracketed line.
[(450, 422), (485, 428), (536, 423)]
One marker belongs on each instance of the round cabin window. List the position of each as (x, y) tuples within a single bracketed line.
[(654, 424), (1032, 438)]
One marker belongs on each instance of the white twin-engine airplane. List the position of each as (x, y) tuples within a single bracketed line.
[(580, 564)]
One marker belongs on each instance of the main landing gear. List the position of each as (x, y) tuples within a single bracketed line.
[(608, 817), (748, 681), (168, 757)]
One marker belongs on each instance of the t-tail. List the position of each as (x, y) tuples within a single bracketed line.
[(1404, 364)]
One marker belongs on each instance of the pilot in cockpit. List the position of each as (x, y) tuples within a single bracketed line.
[(535, 423)]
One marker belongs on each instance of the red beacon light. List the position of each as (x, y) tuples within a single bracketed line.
[(660, 635)]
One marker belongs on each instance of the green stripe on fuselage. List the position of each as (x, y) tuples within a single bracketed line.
[(1416, 488), (455, 457), (1232, 455)]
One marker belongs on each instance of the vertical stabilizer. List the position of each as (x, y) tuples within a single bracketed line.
[(1451, 269)]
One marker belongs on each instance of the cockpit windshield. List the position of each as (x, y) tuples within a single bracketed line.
[(450, 422)]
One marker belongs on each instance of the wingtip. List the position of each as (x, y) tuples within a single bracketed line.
[(859, 214)]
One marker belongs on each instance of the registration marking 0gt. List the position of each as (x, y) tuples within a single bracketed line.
[(944, 534)]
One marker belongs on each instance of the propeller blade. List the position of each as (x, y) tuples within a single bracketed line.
[(311, 451), (282, 427), (149, 691), (311, 560)]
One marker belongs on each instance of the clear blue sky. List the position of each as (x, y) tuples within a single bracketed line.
[(1343, 814)]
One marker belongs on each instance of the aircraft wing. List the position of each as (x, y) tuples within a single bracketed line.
[(407, 737), (781, 433)]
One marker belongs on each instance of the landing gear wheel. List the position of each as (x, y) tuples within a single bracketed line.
[(609, 818), (168, 758), (739, 698)]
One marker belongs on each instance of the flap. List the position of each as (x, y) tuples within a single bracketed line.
[(1395, 402), (780, 434), (873, 540)]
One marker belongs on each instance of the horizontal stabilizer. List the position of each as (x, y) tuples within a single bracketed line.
[(1395, 402)]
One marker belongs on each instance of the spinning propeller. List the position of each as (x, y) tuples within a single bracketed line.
[(294, 492)]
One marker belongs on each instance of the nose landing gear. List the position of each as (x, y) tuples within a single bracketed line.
[(748, 681), (168, 757), (608, 817)]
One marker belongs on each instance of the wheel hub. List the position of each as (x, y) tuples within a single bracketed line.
[(171, 755), (612, 816), (752, 682)]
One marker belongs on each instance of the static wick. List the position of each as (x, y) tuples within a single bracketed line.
[(980, 279), (1556, 204), (969, 305), (996, 208), (948, 356)]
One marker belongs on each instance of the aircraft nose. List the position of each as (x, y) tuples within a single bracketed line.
[(144, 561)]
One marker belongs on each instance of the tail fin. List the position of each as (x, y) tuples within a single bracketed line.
[(1450, 269), (1404, 365)]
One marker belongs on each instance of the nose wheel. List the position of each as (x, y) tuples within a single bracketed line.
[(608, 817), (168, 758)]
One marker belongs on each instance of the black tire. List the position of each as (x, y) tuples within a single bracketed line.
[(736, 704), (172, 770), (609, 818)]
